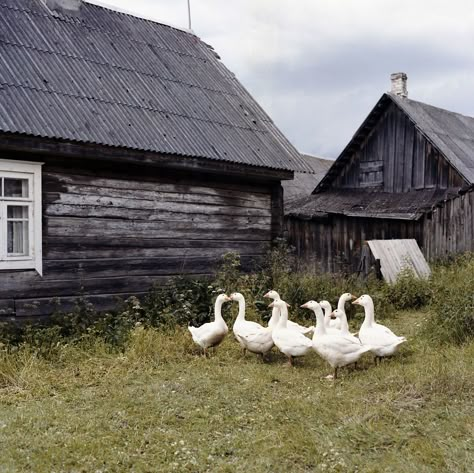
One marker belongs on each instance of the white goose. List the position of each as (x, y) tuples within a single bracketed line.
[(341, 304), (338, 350), (250, 335), (332, 325), (211, 334), (291, 325), (383, 341), (290, 342)]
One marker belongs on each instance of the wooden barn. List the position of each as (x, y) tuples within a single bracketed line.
[(128, 154), (304, 182), (408, 172)]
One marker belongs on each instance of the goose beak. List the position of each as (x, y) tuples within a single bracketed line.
[(304, 306), (287, 305), (356, 302), (353, 297), (227, 298), (271, 304), (267, 294)]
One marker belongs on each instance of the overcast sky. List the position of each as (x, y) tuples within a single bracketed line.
[(319, 66)]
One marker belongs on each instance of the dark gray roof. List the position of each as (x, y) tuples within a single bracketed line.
[(452, 133), (366, 203), (113, 79), (304, 183)]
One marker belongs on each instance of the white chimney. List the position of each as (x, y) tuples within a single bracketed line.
[(399, 84), (67, 7)]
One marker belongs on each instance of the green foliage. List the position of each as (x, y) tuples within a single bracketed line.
[(452, 304), (183, 301), (409, 291)]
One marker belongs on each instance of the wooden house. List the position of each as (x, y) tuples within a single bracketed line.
[(304, 182), (408, 172), (128, 154)]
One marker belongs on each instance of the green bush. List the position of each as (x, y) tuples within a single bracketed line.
[(184, 301), (409, 291), (452, 303)]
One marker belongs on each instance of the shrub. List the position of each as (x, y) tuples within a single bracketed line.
[(409, 291), (452, 304)]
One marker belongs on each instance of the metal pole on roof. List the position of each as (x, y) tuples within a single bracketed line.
[(189, 13)]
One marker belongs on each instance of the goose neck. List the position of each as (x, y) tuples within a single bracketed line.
[(320, 324), (344, 324), (218, 311), (273, 322), (369, 314), (341, 304), (283, 317), (241, 314)]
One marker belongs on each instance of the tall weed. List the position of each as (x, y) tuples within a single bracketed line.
[(452, 304)]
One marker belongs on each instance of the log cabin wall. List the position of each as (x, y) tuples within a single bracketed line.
[(113, 231), (396, 157), (334, 245), (449, 228)]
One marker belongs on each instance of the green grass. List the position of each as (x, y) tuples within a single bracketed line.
[(161, 407)]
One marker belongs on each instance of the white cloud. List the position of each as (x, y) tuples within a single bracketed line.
[(318, 66)]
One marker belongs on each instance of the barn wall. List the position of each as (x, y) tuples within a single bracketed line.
[(114, 231), (449, 229), (396, 157), (334, 244)]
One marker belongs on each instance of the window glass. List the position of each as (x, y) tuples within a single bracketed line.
[(16, 187), (17, 238), (17, 211)]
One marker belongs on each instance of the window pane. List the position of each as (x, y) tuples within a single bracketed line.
[(17, 238), (17, 211), (16, 187)]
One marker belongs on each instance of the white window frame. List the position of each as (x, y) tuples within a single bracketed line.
[(32, 172)]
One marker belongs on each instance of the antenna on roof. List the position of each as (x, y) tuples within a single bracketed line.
[(189, 13)]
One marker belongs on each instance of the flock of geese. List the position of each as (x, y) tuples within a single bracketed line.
[(331, 337)]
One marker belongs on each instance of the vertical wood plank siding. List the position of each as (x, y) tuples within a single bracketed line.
[(449, 228), (394, 157), (334, 245), (114, 232), (402, 158)]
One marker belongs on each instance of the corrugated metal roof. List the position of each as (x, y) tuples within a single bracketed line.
[(304, 183), (110, 78), (367, 203), (397, 255), (452, 133)]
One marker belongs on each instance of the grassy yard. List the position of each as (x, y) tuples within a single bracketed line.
[(160, 407)]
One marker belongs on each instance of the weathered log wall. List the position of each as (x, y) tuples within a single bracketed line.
[(110, 232), (396, 157), (334, 244), (449, 229)]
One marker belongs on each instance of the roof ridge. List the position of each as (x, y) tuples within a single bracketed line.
[(124, 11), (73, 21), (401, 100)]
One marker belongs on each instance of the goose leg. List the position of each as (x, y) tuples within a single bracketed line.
[(290, 361), (335, 373)]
